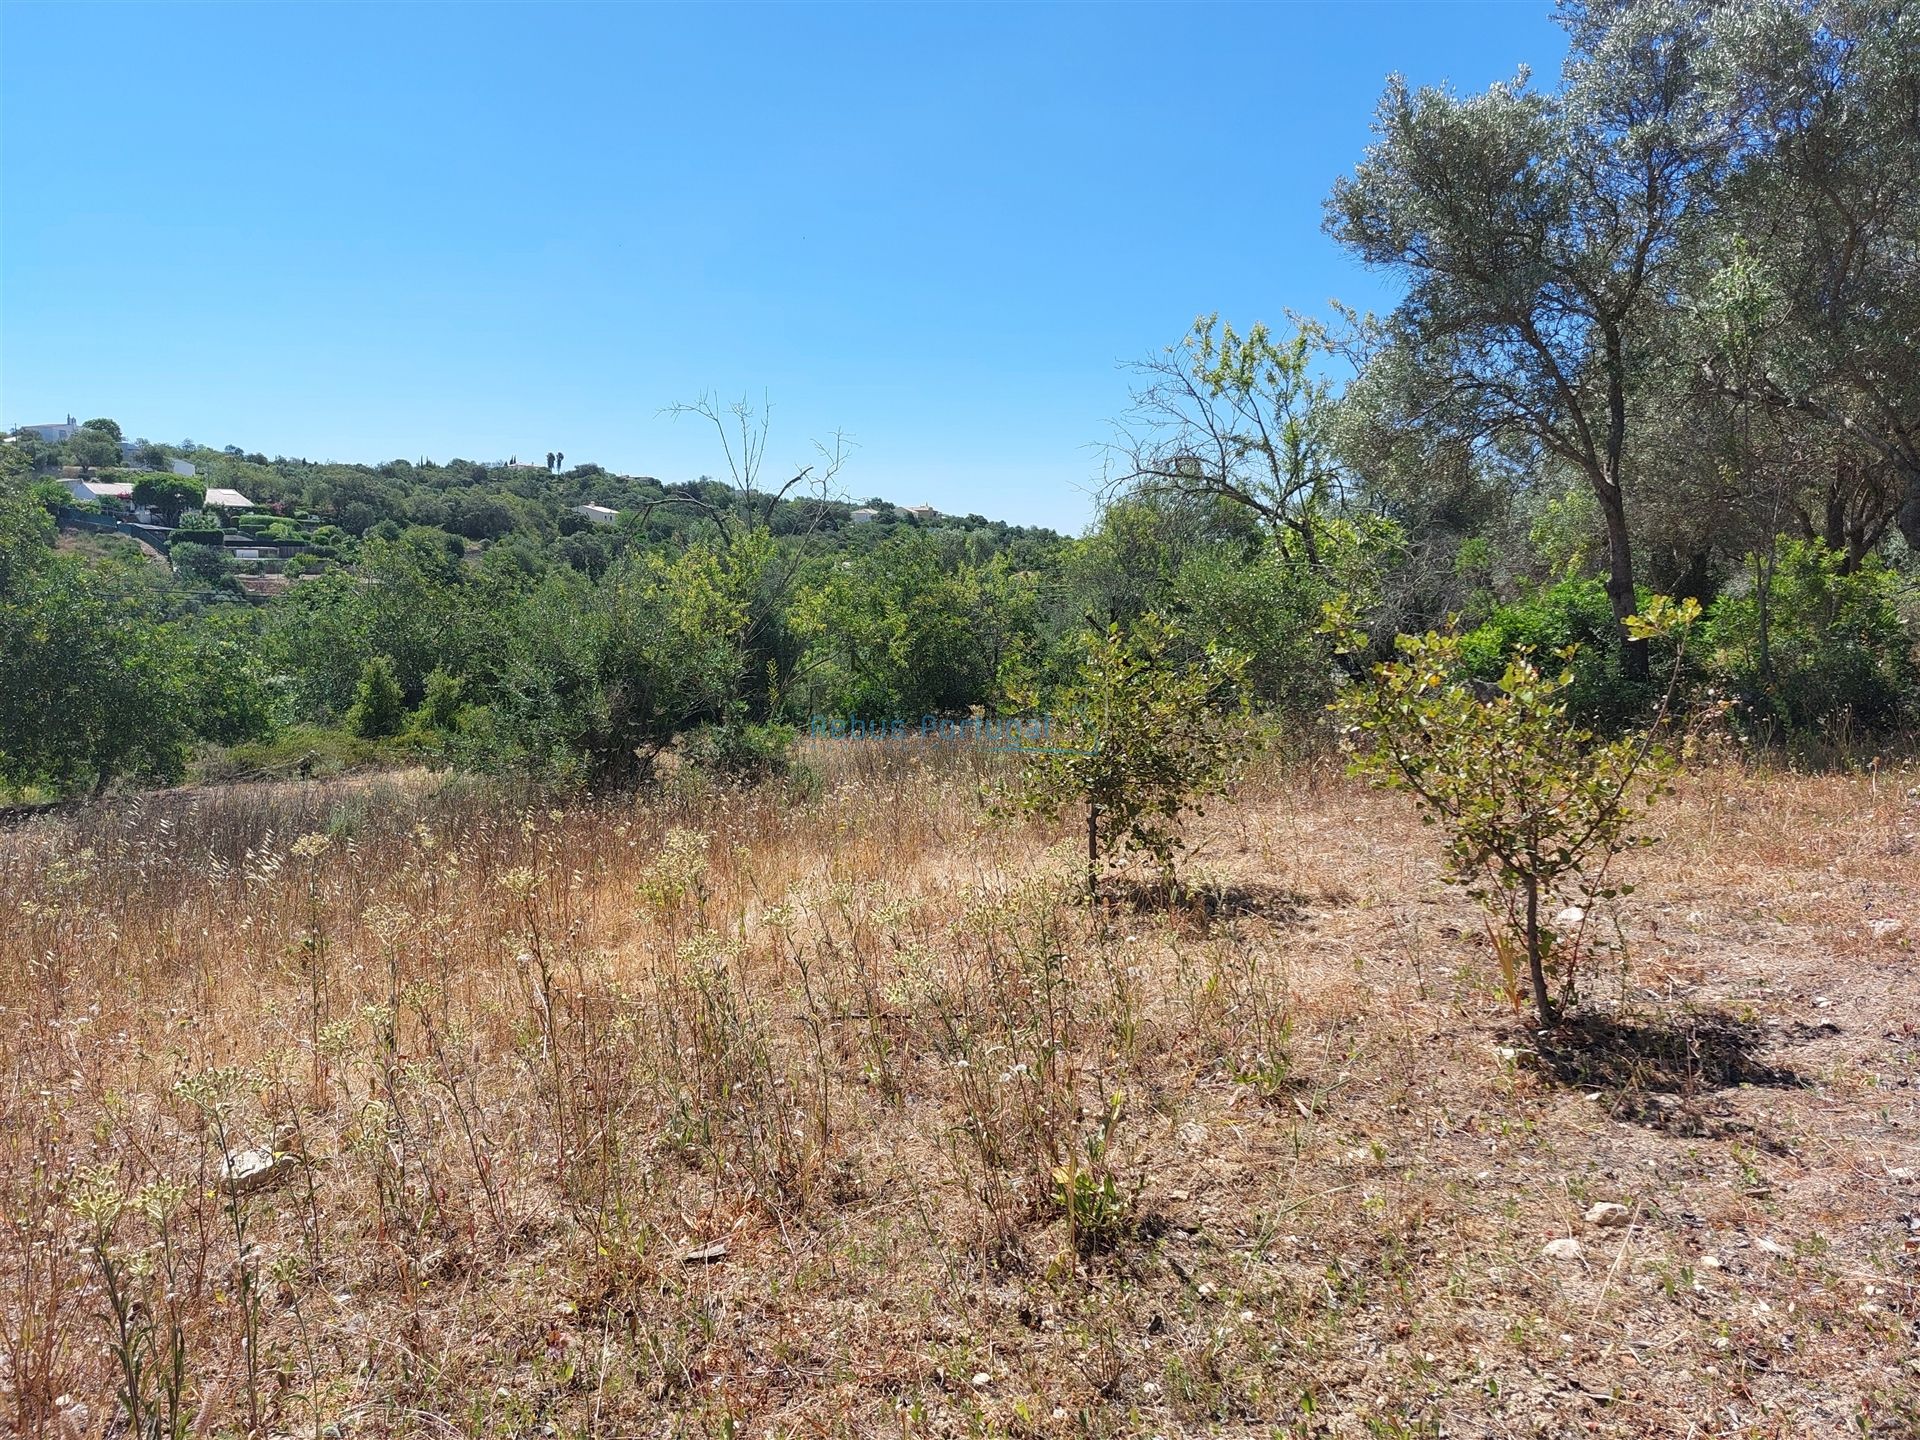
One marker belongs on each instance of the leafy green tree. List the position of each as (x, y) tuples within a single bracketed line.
[(1829, 649), (379, 708), (202, 564), (1812, 257), (228, 689), (92, 449), (109, 428), (1534, 807), (90, 683), (170, 495), (51, 495), (1538, 235), (595, 680), (1139, 739), (442, 706), (1244, 419), (899, 633), (1266, 605)]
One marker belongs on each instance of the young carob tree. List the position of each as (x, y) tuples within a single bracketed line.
[(1141, 736), (1533, 805)]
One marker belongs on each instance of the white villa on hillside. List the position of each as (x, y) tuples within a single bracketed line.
[(921, 513), (597, 514), (219, 497), (864, 516)]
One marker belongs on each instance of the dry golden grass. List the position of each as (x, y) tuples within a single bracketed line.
[(740, 1113)]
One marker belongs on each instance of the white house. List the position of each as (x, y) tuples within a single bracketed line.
[(597, 514), (218, 497), (864, 516), (922, 513), (54, 434), (85, 490)]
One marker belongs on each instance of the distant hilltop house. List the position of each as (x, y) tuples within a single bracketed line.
[(596, 514), (53, 434), (68, 428), (866, 514), (85, 490)]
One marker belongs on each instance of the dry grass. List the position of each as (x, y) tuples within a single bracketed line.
[(750, 1113)]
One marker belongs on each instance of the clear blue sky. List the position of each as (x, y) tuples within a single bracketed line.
[(355, 232)]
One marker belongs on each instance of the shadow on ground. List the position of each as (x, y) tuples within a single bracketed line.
[(1663, 1071), (1205, 903)]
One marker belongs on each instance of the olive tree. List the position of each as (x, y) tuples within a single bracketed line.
[(1537, 235), (1812, 274)]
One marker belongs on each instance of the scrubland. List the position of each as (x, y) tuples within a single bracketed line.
[(835, 1111)]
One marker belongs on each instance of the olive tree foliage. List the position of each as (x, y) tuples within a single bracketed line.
[(92, 448), (91, 684), (1239, 418), (1537, 235), (1811, 292), (596, 679), (1139, 738), (1534, 808)]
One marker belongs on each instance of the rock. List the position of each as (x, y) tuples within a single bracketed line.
[(1903, 1174), (1771, 1247), (711, 1254), (1886, 927), (244, 1172), (1609, 1214), (1565, 1248)]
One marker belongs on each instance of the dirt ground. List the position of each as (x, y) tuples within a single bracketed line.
[(837, 1114)]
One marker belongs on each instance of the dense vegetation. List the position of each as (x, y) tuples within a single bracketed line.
[(1657, 336)]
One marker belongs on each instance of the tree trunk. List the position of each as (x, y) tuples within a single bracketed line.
[(1613, 505), (1908, 515), (1620, 592), (1536, 970)]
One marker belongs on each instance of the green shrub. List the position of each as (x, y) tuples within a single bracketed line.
[(1533, 807), (379, 706), (740, 750), (1837, 650), (442, 707), (1570, 613), (1144, 738), (299, 751)]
